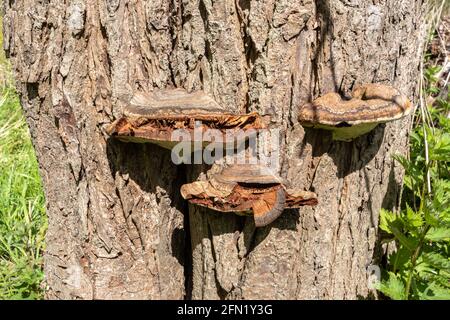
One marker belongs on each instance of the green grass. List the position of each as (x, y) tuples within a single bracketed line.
[(22, 207)]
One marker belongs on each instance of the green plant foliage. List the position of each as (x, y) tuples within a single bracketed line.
[(420, 268), (22, 208)]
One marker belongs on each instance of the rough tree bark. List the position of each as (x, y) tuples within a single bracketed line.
[(116, 220)]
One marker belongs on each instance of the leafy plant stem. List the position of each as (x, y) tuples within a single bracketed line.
[(425, 137), (414, 260)]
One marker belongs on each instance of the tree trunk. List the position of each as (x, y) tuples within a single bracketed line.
[(118, 227)]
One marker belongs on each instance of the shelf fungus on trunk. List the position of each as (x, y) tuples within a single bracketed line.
[(155, 116), (247, 189), (370, 105)]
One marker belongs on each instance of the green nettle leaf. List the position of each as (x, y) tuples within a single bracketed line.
[(442, 278), (430, 218), (410, 242), (414, 172), (401, 159), (436, 260), (441, 199), (386, 219), (413, 220), (438, 234), (393, 287), (439, 147), (409, 182), (423, 269), (435, 292), (400, 259)]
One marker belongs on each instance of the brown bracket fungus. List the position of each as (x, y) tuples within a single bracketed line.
[(247, 188), (153, 117), (370, 105)]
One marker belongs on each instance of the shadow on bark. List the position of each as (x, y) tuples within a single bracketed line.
[(347, 156), (150, 166), (391, 201), (323, 14)]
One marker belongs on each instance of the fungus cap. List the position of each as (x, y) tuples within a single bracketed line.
[(370, 105), (248, 189), (154, 116)]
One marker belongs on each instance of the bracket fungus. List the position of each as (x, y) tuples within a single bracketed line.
[(154, 116), (247, 188), (370, 105)]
